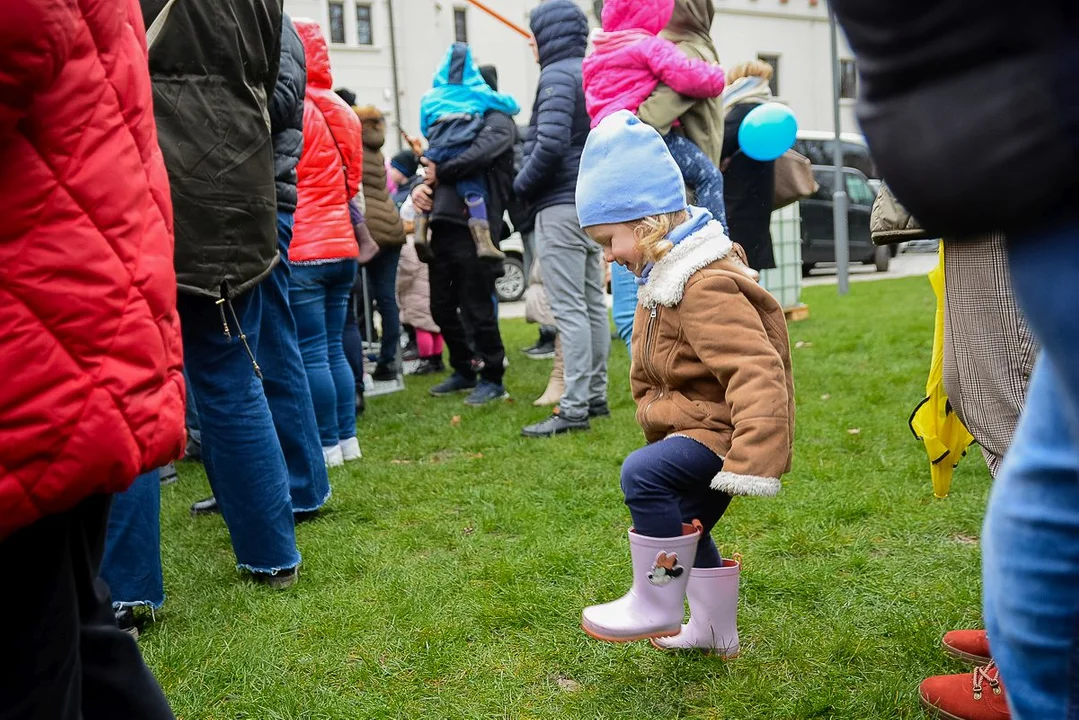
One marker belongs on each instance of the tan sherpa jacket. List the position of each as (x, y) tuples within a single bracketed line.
[(711, 361), (381, 214)]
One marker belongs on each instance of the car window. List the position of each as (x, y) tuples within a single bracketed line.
[(859, 191), (826, 182), (855, 155)]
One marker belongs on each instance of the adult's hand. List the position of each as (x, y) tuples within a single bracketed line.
[(430, 172), (423, 198)]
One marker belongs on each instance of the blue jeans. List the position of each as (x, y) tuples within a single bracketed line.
[(668, 483), (382, 276), (287, 390), (700, 174), (1030, 554), (319, 298), (624, 305), (240, 449), (131, 565)]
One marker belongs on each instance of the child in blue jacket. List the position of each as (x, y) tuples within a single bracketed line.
[(451, 116)]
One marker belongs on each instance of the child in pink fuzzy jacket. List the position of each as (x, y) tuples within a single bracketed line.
[(629, 60)]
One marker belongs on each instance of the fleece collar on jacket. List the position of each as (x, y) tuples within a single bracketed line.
[(667, 281)]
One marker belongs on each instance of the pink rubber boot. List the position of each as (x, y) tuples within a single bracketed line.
[(655, 604), (713, 612)]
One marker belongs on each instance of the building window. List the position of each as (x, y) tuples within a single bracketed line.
[(772, 60), (364, 32), (337, 23), (848, 79), (460, 25)]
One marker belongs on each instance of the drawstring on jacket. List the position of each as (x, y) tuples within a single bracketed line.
[(222, 303)]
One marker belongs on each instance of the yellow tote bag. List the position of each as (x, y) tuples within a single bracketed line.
[(933, 421)]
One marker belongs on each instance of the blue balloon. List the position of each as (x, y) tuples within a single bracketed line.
[(768, 131)]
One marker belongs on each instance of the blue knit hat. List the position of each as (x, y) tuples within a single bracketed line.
[(627, 173)]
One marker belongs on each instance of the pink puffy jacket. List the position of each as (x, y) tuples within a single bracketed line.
[(629, 59)]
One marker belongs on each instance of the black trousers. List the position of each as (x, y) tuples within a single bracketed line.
[(461, 281), (62, 657)]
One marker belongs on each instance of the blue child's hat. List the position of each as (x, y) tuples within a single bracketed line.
[(626, 173)]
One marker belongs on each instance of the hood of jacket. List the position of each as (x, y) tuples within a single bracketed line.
[(561, 31), (459, 68), (648, 15), (374, 126), (317, 52), (691, 21)]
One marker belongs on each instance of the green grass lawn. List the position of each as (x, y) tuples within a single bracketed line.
[(446, 577)]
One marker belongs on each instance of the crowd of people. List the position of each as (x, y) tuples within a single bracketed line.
[(181, 275)]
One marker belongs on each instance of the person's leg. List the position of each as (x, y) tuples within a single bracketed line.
[(596, 302), (473, 190), (131, 565), (307, 297), (340, 277), (624, 295), (564, 252), (353, 341), (444, 274), (1030, 557), (989, 349), (701, 175), (476, 285), (668, 483), (287, 390), (425, 343), (383, 273), (243, 456)]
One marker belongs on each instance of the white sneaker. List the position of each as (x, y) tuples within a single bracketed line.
[(350, 449), (333, 456)]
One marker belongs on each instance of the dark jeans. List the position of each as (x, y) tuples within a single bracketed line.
[(700, 174), (63, 656), (240, 449), (287, 389), (382, 285), (461, 280), (132, 562), (353, 339), (668, 483), (319, 296)]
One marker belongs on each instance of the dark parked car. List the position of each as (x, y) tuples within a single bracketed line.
[(818, 231)]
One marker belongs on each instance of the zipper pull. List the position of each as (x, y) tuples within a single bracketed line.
[(653, 311)]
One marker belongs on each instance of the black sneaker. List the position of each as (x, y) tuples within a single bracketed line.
[(411, 352), (125, 620), (540, 351), (205, 507), (429, 366), (599, 409), (384, 373), (556, 424), (279, 580), (486, 392), (453, 384)]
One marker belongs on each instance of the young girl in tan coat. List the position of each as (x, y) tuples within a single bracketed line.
[(711, 375)]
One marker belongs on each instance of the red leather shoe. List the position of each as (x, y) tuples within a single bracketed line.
[(973, 696), (970, 646)]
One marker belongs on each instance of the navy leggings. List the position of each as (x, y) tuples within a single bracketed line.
[(669, 483), (700, 174)]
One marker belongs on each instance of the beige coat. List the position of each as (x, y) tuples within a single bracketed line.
[(379, 209), (711, 361)]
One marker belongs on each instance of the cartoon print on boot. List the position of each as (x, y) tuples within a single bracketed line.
[(665, 569)]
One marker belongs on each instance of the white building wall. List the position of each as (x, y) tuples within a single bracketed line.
[(793, 29)]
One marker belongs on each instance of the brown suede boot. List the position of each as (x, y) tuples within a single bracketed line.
[(423, 247), (481, 235)]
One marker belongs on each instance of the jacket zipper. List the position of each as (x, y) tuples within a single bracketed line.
[(650, 368)]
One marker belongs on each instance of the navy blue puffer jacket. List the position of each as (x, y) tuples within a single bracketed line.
[(559, 126)]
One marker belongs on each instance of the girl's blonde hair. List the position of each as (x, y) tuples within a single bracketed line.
[(651, 233), (753, 68)]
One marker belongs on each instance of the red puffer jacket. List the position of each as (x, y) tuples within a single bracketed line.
[(90, 356), (332, 149)]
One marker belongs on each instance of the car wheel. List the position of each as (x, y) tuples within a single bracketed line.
[(511, 286), (882, 258)]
